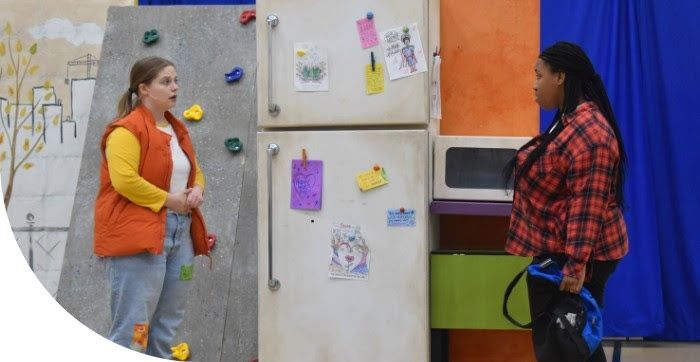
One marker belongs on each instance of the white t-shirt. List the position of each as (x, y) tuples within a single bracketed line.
[(181, 164)]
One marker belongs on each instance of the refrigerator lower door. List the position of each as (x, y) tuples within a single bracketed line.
[(304, 314)]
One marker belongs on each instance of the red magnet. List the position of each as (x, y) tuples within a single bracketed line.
[(247, 16), (211, 240), (376, 167)]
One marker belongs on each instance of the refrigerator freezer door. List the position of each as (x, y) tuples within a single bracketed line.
[(331, 27), (307, 315)]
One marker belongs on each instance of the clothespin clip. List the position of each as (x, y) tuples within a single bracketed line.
[(371, 56), (437, 51), (303, 157)]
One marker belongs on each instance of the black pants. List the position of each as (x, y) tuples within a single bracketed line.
[(542, 292)]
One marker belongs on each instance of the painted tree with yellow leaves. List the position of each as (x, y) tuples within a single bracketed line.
[(17, 66)]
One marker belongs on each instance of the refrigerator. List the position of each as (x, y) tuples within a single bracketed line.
[(343, 183)]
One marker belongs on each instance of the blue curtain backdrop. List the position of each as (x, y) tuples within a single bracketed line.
[(195, 2), (648, 54)]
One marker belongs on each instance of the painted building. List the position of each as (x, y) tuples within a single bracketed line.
[(49, 59)]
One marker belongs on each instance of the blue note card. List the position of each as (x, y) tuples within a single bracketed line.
[(399, 218)]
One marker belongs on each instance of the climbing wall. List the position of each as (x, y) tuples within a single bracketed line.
[(204, 42)]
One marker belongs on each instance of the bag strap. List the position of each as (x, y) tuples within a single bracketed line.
[(509, 290)]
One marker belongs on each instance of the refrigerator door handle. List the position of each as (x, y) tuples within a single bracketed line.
[(272, 283), (272, 21)]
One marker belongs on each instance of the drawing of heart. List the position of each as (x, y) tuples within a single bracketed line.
[(304, 183)]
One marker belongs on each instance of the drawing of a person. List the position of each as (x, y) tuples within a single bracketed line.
[(350, 254), (408, 53)]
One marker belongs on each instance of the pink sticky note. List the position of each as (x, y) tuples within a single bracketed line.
[(307, 185), (368, 33)]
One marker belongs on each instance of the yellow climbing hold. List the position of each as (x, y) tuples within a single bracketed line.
[(181, 352), (194, 113)]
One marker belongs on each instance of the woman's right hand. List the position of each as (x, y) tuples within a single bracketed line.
[(178, 201)]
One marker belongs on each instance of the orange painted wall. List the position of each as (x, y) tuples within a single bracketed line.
[(488, 50)]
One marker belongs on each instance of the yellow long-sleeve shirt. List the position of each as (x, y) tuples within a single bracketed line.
[(123, 154)]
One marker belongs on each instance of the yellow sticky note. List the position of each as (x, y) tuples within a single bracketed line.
[(368, 180), (374, 80)]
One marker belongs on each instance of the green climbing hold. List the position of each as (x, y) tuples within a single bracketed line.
[(233, 144), (150, 36)]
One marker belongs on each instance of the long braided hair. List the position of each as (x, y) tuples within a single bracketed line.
[(581, 82)]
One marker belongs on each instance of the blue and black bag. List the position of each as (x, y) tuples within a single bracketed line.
[(575, 329)]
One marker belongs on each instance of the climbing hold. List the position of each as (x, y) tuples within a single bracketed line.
[(247, 16), (211, 240), (181, 352), (233, 144), (150, 36), (194, 113), (235, 74)]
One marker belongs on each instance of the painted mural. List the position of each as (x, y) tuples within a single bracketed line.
[(48, 66)]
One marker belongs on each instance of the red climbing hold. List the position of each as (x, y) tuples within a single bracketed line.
[(247, 16), (211, 240)]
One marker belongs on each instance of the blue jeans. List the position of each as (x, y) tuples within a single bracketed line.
[(149, 291)]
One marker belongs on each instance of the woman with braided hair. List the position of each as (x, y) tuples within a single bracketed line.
[(568, 185)]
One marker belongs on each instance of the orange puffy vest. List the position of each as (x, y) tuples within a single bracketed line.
[(123, 228)]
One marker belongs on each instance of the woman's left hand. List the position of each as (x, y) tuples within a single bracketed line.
[(195, 198), (573, 285)]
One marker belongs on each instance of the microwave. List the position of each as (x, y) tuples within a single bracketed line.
[(470, 168)]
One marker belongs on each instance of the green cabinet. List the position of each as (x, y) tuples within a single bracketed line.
[(466, 291)]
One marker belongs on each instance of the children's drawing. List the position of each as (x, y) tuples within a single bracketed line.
[(310, 68), (403, 51), (307, 185), (349, 253)]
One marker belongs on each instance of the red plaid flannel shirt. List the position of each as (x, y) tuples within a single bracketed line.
[(566, 202)]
